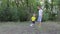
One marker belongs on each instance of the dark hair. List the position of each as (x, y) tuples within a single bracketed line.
[(39, 6)]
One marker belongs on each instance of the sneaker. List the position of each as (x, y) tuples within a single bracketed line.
[(31, 25)]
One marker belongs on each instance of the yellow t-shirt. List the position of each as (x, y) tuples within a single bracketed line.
[(33, 18)]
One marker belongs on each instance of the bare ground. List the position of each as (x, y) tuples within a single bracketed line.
[(24, 28)]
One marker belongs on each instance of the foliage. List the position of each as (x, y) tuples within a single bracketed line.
[(22, 10), (14, 10)]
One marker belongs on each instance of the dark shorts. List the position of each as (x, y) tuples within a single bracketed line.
[(33, 22)]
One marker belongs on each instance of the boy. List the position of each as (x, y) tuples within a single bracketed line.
[(33, 18)]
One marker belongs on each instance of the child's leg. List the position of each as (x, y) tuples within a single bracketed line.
[(33, 22), (40, 21)]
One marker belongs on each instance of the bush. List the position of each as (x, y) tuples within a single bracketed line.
[(45, 16)]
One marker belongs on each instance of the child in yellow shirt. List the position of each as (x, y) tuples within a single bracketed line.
[(33, 18)]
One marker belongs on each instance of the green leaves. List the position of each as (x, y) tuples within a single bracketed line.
[(17, 10), (14, 10)]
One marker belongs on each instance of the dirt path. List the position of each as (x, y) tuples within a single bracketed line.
[(24, 28)]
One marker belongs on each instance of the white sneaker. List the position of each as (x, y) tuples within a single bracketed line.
[(31, 24)]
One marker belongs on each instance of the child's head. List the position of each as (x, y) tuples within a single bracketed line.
[(38, 7)]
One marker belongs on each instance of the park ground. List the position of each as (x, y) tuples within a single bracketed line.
[(24, 28)]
